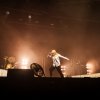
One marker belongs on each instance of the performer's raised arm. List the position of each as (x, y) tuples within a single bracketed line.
[(64, 57)]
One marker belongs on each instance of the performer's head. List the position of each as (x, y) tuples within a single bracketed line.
[(53, 52)]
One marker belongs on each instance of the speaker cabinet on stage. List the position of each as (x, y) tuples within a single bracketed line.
[(3, 73), (20, 73)]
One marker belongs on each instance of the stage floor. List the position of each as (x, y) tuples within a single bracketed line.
[(29, 73)]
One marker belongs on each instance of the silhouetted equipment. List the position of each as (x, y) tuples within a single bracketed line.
[(20, 73), (38, 70), (11, 59), (9, 62), (3, 72)]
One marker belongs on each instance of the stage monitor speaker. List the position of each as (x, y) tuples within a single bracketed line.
[(3, 73), (20, 73)]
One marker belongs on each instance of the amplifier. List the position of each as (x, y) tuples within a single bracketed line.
[(3, 73)]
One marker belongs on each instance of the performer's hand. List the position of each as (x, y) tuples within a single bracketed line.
[(49, 55)]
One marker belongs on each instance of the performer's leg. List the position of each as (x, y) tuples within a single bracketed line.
[(59, 70), (51, 70)]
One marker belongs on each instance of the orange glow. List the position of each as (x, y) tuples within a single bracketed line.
[(63, 69), (24, 61), (91, 66)]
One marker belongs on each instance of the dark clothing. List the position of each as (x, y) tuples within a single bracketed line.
[(58, 69)]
